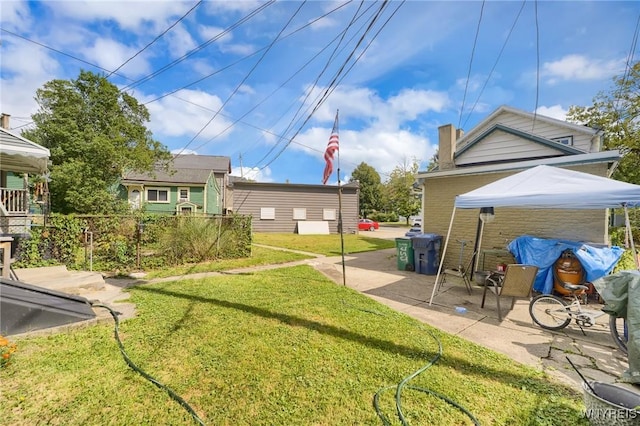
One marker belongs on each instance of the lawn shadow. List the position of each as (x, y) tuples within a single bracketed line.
[(449, 360)]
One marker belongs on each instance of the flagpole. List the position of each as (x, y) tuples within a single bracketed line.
[(340, 227)]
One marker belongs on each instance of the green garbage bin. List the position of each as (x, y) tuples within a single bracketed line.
[(404, 254)]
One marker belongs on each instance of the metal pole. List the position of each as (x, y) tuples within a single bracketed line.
[(633, 247), (444, 252)]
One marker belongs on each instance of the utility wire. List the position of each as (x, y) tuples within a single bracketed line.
[(245, 78), (473, 50), (495, 63), (249, 55), (154, 74), (535, 109), (314, 85), (157, 38), (55, 50), (338, 77)]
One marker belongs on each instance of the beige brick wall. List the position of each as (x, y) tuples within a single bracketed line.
[(509, 223)]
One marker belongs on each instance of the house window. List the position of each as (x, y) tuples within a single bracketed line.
[(328, 214), (158, 195), (299, 214), (183, 195), (267, 213), (186, 210), (564, 140)]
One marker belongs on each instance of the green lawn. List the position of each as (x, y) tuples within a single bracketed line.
[(259, 256), (329, 245), (279, 347)]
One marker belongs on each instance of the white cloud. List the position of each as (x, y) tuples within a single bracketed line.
[(238, 49), (183, 151), (253, 173), (554, 111), (579, 67), (171, 116), (130, 17), (15, 15), (208, 32), (110, 54), (180, 41), (25, 68)]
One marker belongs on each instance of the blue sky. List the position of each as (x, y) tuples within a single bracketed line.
[(261, 82)]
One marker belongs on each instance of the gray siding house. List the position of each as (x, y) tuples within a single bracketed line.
[(278, 207)]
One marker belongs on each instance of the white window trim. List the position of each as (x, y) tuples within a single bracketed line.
[(267, 213), (167, 190), (569, 140), (299, 213), (183, 188), (328, 214)]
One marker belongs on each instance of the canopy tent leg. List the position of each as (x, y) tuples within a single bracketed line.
[(633, 247), (444, 253)]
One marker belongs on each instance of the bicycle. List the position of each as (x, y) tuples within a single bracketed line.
[(554, 313)]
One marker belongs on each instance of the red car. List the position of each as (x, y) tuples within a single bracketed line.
[(367, 225)]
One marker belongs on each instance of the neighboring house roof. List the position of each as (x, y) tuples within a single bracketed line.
[(521, 134), (185, 169), (244, 182), (510, 139), (18, 154), (472, 134), (569, 160)]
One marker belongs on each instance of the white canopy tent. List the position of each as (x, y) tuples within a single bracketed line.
[(546, 187)]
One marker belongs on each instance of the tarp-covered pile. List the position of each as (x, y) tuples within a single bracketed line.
[(543, 253), (621, 294)]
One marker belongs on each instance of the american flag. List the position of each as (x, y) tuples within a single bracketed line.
[(332, 147)]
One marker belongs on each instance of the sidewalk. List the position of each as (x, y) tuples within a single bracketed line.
[(375, 274)]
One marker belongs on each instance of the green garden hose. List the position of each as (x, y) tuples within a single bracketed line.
[(135, 368), (403, 384)]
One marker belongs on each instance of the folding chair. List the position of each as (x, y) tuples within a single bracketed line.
[(517, 281)]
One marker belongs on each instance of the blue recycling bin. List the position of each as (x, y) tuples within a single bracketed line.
[(426, 253)]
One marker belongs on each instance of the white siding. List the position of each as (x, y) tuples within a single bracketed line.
[(504, 146), (249, 198)]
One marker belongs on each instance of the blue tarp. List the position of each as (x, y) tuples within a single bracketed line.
[(543, 253)]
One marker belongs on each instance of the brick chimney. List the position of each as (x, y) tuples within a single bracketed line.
[(4, 121), (447, 136)]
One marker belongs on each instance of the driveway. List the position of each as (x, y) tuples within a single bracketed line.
[(375, 274)]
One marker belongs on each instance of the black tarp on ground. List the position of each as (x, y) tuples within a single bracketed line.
[(25, 307)]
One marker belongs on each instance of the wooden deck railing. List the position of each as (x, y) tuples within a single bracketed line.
[(14, 201)]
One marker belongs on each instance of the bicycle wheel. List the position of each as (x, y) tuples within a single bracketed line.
[(619, 332), (549, 312)]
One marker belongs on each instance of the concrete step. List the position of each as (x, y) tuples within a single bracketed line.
[(61, 279)]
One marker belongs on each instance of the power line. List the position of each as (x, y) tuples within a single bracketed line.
[(157, 38), (473, 50), (56, 50), (314, 85), (246, 77), (250, 55), (535, 109), (335, 80), (495, 63), (154, 74)]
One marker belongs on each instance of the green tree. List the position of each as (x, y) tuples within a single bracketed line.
[(617, 114), (370, 188), (94, 133), (403, 197)]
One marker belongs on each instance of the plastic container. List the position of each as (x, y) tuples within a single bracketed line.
[(426, 252), (461, 309), (611, 405), (404, 254)]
